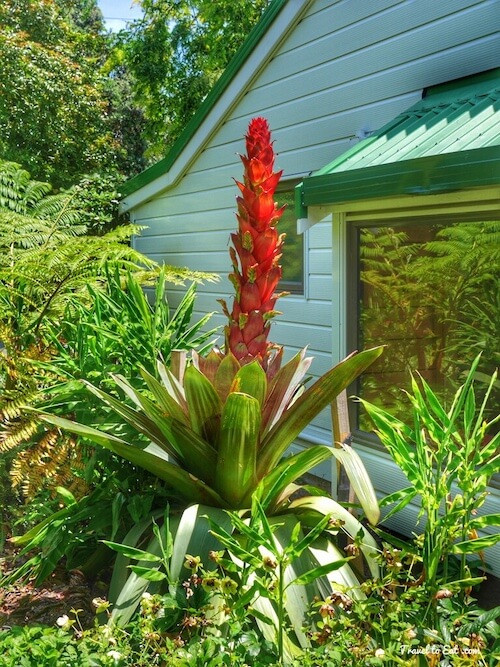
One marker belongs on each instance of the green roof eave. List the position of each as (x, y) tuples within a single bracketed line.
[(448, 141), (162, 166), (427, 175)]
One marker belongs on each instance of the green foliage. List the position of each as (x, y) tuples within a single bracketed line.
[(116, 329), (72, 307), (191, 427), (58, 107), (449, 458), (176, 52), (431, 294)]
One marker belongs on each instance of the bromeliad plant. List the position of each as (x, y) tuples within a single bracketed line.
[(220, 428)]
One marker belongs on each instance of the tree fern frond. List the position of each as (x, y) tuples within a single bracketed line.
[(17, 432), (17, 191)]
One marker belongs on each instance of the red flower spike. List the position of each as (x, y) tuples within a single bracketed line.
[(255, 254)]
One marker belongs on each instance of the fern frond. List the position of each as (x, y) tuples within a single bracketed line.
[(17, 432)]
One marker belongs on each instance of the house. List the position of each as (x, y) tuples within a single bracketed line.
[(386, 118)]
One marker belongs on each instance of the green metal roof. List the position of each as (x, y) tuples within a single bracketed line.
[(450, 140), (162, 166)]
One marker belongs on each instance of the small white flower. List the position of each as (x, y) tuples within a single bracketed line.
[(116, 655), (379, 653), (146, 596), (62, 620)]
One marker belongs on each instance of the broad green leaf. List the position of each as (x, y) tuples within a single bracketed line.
[(283, 388), (276, 483), (132, 552), (224, 376), (295, 550), (238, 445), (481, 622), (204, 404), (402, 498), (360, 481), (166, 401), (310, 404), (40, 527), (190, 488), (475, 545), (396, 436), (68, 497), (193, 535), (172, 385), (195, 453), (150, 574), (316, 506), (486, 520), (121, 573), (325, 552), (129, 593), (140, 421), (320, 571), (251, 379)]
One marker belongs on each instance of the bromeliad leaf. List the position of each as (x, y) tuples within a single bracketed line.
[(148, 573), (317, 397), (238, 447), (205, 406), (189, 487), (360, 481)]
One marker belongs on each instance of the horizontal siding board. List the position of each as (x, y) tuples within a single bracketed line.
[(379, 36), (371, 83), (321, 261), (319, 66), (326, 18), (320, 287)]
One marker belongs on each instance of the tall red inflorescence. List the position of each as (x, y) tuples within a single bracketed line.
[(256, 251)]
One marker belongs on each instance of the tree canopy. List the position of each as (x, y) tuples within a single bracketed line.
[(58, 105), (176, 53), (76, 100)]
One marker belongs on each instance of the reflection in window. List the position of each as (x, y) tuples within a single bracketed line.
[(292, 261), (431, 293)]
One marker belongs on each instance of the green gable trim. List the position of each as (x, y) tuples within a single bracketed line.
[(163, 166), (450, 140)]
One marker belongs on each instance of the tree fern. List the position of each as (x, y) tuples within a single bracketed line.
[(51, 270)]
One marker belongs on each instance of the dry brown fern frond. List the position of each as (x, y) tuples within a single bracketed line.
[(47, 464), (18, 431), (13, 408)]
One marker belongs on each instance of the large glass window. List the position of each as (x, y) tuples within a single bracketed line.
[(293, 256), (430, 291)]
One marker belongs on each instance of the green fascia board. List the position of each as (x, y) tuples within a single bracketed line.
[(162, 166), (433, 174), (342, 180)]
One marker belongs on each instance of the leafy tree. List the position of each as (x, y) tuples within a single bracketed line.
[(176, 52), (60, 112)]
